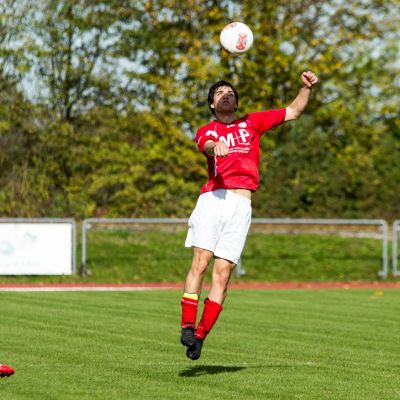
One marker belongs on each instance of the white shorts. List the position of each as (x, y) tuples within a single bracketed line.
[(219, 223)]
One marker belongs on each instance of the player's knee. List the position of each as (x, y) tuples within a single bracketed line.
[(199, 265), (221, 278), (199, 269)]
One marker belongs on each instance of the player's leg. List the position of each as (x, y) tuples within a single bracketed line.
[(235, 222), (220, 279), (194, 280), (212, 305), (190, 298), (202, 237)]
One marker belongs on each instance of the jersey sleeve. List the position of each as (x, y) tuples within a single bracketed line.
[(203, 136), (266, 120)]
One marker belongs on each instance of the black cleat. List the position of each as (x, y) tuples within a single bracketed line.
[(187, 336), (194, 351)]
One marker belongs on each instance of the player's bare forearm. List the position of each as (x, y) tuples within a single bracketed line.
[(300, 102)]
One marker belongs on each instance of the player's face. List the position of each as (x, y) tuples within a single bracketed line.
[(224, 99)]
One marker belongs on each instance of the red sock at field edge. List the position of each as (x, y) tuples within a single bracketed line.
[(5, 370), (189, 312), (210, 315)]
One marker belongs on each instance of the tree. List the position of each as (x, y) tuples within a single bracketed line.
[(325, 164), (131, 166), (13, 62), (71, 52), (123, 88), (174, 52)]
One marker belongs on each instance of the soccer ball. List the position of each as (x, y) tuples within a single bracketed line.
[(236, 38)]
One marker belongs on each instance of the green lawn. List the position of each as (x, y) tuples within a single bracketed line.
[(332, 344), (156, 255), (159, 255)]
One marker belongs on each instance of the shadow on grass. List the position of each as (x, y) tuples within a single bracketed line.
[(201, 370)]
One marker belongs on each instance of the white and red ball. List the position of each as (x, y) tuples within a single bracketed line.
[(236, 38)]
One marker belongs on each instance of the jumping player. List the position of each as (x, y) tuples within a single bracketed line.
[(221, 219)]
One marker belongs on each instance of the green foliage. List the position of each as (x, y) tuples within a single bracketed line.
[(71, 46), (150, 170), (328, 163), (99, 100)]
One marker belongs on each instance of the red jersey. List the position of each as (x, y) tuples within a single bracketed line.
[(240, 168)]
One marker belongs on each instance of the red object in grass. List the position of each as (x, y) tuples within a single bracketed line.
[(5, 370)]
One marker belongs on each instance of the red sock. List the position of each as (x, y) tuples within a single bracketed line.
[(189, 312), (210, 314)]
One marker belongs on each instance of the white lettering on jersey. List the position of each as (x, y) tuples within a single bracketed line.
[(212, 133), (229, 141), (244, 134), (233, 139)]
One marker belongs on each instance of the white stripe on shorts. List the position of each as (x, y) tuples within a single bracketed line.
[(219, 223)]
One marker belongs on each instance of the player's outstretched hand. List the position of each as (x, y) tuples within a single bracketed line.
[(309, 79), (5, 370), (221, 149)]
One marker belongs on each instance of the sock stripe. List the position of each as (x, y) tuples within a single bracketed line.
[(193, 296)]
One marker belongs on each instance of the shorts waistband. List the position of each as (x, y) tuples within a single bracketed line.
[(227, 194)]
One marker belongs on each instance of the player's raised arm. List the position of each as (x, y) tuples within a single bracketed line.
[(299, 103)]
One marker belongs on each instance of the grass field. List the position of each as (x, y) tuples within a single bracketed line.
[(332, 344), (140, 256), (157, 255)]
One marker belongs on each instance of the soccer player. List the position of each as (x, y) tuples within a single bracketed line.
[(220, 221)]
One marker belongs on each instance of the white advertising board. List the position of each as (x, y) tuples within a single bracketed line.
[(36, 249)]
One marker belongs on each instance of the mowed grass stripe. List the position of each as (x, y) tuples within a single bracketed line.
[(343, 335), (332, 344)]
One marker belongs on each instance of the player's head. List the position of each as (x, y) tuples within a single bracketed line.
[(215, 89)]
